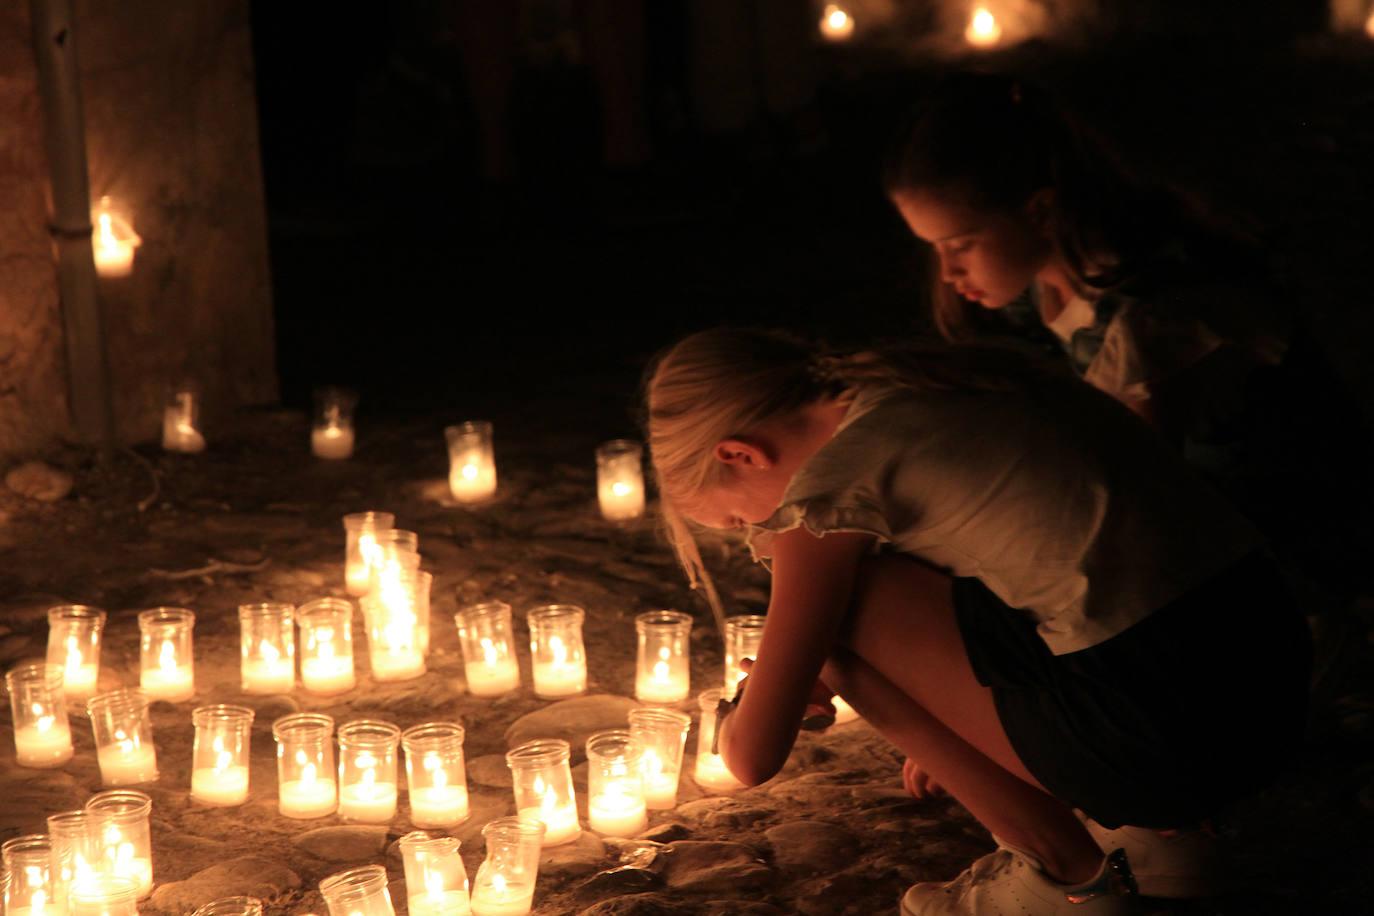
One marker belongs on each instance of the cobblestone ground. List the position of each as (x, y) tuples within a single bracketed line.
[(256, 518)]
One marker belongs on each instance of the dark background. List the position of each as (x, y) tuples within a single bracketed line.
[(404, 267)]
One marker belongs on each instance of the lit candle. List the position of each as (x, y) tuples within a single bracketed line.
[(326, 646), (179, 432), (114, 242), (484, 631), (368, 800), (615, 788), (836, 23), (983, 30), (505, 881), (307, 797), (711, 772), (391, 611), (663, 670), (361, 549), (30, 889), (500, 897), (556, 652), (358, 892), (74, 637), (660, 786), (169, 680), (166, 671), (494, 675), (436, 774), (219, 773), (42, 737), (472, 461), (120, 819), (559, 817), (268, 672), (843, 711), (223, 786), (127, 762), (436, 881), (328, 675), (620, 479), (367, 771), (331, 442)]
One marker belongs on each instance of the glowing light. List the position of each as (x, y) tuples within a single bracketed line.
[(983, 30), (836, 23)]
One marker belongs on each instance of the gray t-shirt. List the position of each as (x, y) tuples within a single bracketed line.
[(1056, 497)]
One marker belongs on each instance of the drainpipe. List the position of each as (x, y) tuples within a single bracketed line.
[(54, 45)]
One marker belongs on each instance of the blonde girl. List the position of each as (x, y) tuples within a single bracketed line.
[(1041, 619)]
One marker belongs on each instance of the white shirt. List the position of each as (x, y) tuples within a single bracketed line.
[(1056, 497)]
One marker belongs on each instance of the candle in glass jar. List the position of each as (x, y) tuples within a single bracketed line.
[(620, 480), (560, 820), (494, 675), (331, 434), (74, 637), (484, 631), (615, 787), (127, 763), (179, 430), (114, 240), (331, 442), (307, 797), (368, 801), (556, 652), (500, 897), (663, 669), (220, 786), (166, 671), (367, 771), (472, 461)]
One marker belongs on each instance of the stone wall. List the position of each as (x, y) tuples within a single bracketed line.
[(168, 93)]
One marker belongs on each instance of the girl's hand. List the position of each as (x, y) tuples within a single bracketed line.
[(918, 782)]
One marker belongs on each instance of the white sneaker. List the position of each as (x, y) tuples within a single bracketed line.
[(1010, 882), (1177, 865)]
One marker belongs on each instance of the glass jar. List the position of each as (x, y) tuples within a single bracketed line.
[(663, 670), (104, 895), (543, 786), (471, 461), (74, 855), (326, 626), (367, 771), (167, 666), (331, 431), (123, 841), (436, 775), (267, 646), (357, 892), (231, 906), (615, 785), (556, 652), (742, 637), (28, 862), (42, 735), (360, 547), (662, 733), (505, 880), (181, 419), (391, 611), (305, 765), (711, 773), (436, 881), (123, 732), (219, 758), (74, 633), (620, 480), (484, 633)]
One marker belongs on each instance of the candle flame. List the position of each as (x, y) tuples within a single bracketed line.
[(126, 744), (167, 657), (73, 656), (498, 882), (651, 764), (438, 776), (469, 471), (983, 29), (324, 643), (558, 651), (107, 238), (44, 723), (488, 651), (368, 549), (621, 488), (308, 774), (661, 673), (222, 757), (836, 23), (434, 886), (269, 652)]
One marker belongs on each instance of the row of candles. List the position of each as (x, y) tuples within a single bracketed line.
[(471, 453), (837, 24)]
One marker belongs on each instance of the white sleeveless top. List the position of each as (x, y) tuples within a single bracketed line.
[(1056, 497)]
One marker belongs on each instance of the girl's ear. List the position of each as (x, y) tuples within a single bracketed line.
[(742, 453), (1040, 208)]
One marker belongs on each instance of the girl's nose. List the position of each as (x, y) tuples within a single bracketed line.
[(949, 270)]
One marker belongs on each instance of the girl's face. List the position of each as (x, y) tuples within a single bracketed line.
[(744, 495), (988, 256)]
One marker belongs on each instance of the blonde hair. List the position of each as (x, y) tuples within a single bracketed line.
[(725, 382)]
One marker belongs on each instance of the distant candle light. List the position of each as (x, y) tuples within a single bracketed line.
[(836, 23), (983, 30)]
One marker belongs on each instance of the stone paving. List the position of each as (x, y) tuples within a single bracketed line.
[(255, 518)]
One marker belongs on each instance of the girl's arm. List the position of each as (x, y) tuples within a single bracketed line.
[(813, 585)]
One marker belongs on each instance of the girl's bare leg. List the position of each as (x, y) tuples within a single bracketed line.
[(905, 670)]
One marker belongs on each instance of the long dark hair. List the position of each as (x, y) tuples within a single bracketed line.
[(995, 141)]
